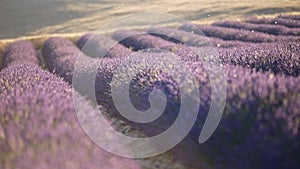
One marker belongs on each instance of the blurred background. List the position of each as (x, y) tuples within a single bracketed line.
[(35, 17)]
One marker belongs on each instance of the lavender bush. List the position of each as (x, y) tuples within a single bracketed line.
[(20, 52), (60, 55)]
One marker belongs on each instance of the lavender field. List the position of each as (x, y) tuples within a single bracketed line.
[(259, 129)]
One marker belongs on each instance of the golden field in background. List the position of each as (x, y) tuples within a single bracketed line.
[(36, 17)]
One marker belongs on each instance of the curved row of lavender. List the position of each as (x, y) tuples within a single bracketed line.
[(291, 23), (265, 28), (178, 36), (97, 45), (236, 34), (20, 52), (39, 127), (60, 56), (280, 58)]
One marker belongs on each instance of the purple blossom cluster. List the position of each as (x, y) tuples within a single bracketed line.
[(39, 126), (276, 21), (265, 28), (60, 55), (96, 45), (20, 52)]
